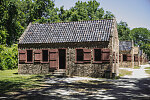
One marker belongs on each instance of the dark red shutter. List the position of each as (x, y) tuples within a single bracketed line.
[(105, 55), (22, 56), (128, 57), (37, 55), (87, 54), (53, 57)]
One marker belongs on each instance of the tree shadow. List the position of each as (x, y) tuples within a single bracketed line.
[(123, 88)]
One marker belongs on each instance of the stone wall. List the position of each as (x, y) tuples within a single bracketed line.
[(72, 68), (35, 68), (86, 69)]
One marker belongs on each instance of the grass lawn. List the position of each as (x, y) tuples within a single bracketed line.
[(147, 68), (11, 81), (123, 72), (137, 67), (147, 71)]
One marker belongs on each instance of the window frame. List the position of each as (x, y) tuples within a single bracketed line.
[(79, 62), (42, 56), (96, 62), (123, 57), (29, 62)]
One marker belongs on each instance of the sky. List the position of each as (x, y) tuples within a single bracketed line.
[(135, 12)]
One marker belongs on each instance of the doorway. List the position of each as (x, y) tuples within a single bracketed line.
[(62, 58)]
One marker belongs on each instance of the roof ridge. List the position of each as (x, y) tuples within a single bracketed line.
[(113, 19)]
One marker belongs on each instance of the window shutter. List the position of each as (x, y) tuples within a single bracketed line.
[(128, 57), (87, 54), (105, 55), (22, 56), (37, 55), (53, 57)]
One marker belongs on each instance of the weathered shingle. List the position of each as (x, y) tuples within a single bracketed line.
[(125, 45), (80, 31)]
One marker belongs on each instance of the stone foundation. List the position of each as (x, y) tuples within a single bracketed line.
[(90, 70), (33, 68)]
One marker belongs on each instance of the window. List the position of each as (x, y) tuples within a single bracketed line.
[(79, 54), (45, 55), (97, 54), (124, 57), (29, 55), (135, 57), (83, 55)]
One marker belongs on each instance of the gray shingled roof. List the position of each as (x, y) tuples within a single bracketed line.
[(80, 31), (125, 45)]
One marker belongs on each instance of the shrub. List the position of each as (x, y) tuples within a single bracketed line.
[(8, 57)]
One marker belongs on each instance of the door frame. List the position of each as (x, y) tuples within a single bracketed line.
[(65, 57)]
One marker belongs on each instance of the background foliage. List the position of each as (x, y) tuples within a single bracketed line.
[(15, 15), (8, 57)]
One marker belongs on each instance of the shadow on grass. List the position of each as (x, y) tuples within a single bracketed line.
[(9, 86), (113, 89)]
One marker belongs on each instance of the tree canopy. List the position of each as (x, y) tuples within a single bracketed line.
[(15, 15), (141, 37)]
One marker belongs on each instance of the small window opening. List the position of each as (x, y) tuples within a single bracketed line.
[(97, 54), (124, 57), (79, 54), (29, 55), (45, 55)]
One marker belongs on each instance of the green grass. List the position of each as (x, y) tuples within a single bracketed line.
[(147, 71), (137, 67), (147, 68), (11, 81), (123, 72)]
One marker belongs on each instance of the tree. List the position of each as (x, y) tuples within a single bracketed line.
[(108, 15), (141, 37), (123, 31)]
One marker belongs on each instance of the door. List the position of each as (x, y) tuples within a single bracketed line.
[(53, 57), (62, 58)]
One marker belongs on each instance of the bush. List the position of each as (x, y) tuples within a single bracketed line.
[(8, 57)]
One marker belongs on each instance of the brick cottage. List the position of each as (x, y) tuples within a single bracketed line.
[(81, 48), (130, 55)]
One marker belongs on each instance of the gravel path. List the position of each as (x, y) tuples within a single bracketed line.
[(137, 73)]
